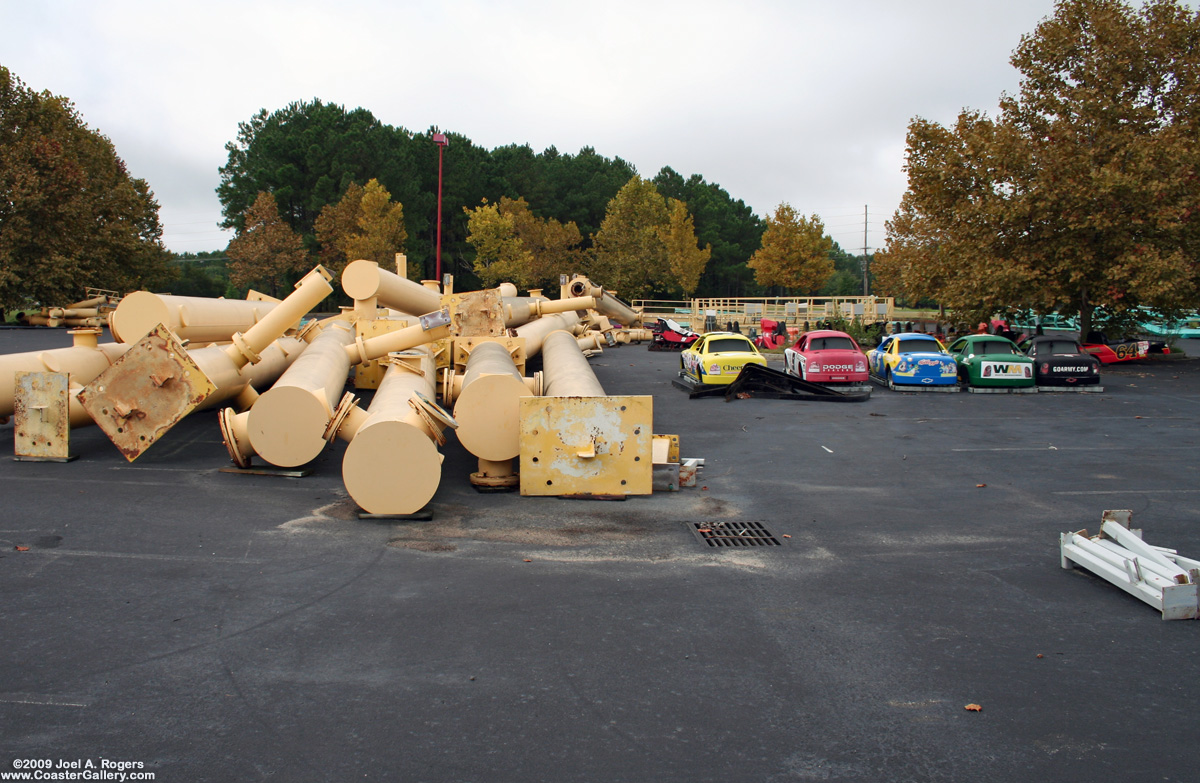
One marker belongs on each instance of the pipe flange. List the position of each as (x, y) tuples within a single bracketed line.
[(239, 341), (486, 483), (231, 443), (339, 416)]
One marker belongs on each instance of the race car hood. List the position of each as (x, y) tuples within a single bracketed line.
[(925, 363)]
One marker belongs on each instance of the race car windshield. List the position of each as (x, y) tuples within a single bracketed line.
[(994, 346), (918, 346), (1053, 347), (728, 344), (831, 344)]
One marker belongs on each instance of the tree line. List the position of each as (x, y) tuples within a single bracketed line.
[(314, 182), (1080, 197), (508, 213)]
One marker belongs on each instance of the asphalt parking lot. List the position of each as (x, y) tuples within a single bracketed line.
[(219, 627)]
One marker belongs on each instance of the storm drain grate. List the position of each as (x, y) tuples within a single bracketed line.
[(734, 534)]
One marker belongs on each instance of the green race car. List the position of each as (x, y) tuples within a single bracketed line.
[(991, 360)]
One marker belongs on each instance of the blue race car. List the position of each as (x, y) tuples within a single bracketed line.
[(914, 361)]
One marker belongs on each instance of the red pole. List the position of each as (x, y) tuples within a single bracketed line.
[(439, 230), (440, 140)]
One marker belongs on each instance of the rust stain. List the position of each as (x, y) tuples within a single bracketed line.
[(146, 392)]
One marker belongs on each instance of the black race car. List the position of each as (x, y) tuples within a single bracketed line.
[(1061, 361)]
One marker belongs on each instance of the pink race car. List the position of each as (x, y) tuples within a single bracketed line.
[(827, 357)]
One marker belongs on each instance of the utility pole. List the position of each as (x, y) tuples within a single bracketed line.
[(866, 279)]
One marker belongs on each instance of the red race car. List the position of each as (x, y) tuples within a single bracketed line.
[(671, 336), (827, 357)]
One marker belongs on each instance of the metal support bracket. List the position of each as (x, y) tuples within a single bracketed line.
[(41, 417)]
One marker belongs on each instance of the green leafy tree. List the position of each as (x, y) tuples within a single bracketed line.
[(500, 255), (365, 224), (685, 260), (629, 255), (794, 253), (1082, 193), (266, 252), (512, 244), (202, 274), (70, 214), (726, 225)]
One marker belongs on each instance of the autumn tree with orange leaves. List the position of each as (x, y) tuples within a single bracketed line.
[(794, 252), (266, 253), (1083, 193)]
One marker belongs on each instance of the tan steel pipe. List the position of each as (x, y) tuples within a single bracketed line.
[(535, 331), (287, 422), (82, 362), (606, 303), (73, 312), (392, 465), (365, 350), (233, 382), (193, 318), (365, 279), (488, 409), (567, 373), (509, 290), (522, 310), (309, 292)]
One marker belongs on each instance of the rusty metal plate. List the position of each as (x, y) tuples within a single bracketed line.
[(368, 375), (41, 417), (586, 445), (146, 392), (476, 313)]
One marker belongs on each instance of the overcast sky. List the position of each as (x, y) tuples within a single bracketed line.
[(802, 101)]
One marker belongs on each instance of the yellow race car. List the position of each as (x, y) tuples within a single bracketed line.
[(718, 357)]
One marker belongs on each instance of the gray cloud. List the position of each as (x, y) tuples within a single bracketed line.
[(804, 102)]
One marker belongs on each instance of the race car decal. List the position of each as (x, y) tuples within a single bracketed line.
[(1004, 370)]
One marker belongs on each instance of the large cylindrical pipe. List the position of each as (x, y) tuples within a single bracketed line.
[(392, 465), (535, 331), (606, 303), (566, 370), (365, 279), (521, 310), (365, 350), (82, 362), (488, 409), (194, 318), (287, 423), (233, 381), (309, 292)]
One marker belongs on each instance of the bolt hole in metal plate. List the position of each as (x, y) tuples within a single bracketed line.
[(737, 534)]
